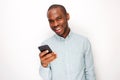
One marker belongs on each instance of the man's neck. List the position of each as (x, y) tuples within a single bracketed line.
[(67, 33)]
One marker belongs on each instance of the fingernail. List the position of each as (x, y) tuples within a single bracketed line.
[(54, 53), (47, 51)]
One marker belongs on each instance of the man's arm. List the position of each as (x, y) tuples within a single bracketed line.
[(45, 59), (89, 64), (45, 73)]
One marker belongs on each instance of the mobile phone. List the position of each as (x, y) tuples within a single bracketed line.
[(44, 47)]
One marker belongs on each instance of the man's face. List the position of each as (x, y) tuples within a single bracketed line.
[(58, 21)]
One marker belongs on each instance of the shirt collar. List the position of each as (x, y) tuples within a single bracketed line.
[(63, 39)]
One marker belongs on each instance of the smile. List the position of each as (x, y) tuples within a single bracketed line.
[(58, 29)]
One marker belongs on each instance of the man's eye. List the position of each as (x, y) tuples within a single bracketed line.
[(51, 21), (59, 18)]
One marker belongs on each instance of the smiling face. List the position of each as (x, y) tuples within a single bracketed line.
[(58, 21)]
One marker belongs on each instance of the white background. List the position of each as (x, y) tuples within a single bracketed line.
[(24, 25)]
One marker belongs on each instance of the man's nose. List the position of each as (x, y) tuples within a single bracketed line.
[(55, 23)]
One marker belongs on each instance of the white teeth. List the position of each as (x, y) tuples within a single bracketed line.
[(58, 28)]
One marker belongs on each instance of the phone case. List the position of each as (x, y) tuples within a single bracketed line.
[(45, 47)]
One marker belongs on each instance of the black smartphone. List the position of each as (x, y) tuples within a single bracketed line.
[(44, 47)]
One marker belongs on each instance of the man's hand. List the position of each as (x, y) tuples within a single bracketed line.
[(46, 57)]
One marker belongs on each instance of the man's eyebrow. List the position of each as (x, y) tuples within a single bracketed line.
[(50, 19), (55, 18)]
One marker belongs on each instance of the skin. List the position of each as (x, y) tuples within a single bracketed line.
[(57, 19), (58, 22)]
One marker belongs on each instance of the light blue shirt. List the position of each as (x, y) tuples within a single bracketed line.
[(74, 59)]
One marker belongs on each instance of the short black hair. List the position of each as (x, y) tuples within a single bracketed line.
[(58, 6)]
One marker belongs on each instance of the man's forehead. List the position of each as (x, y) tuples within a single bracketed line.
[(53, 13), (57, 9)]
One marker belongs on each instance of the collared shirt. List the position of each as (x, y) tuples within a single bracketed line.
[(74, 59)]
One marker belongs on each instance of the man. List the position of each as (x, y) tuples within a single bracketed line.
[(71, 58)]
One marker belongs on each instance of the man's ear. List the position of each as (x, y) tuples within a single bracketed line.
[(67, 16)]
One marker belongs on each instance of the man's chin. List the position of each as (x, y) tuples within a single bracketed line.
[(59, 34)]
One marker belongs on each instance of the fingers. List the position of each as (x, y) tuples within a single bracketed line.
[(43, 53), (49, 59), (46, 57)]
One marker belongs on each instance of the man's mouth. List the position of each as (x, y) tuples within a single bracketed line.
[(58, 30)]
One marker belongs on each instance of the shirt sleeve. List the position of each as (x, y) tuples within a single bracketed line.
[(89, 64), (45, 73)]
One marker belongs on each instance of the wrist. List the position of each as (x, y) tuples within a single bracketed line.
[(44, 65)]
